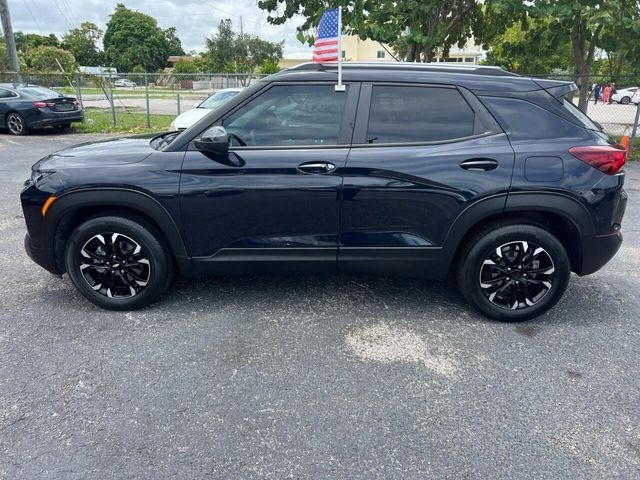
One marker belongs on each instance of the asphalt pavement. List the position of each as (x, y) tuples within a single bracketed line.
[(328, 378)]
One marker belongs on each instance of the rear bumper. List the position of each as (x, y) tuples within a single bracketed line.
[(598, 250), (44, 257), (49, 119)]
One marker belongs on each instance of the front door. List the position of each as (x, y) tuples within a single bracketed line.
[(421, 155), (274, 204)]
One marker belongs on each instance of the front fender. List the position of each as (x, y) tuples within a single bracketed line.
[(130, 199)]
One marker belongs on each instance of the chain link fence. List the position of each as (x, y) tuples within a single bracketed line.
[(616, 109), (134, 101), (137, 101)]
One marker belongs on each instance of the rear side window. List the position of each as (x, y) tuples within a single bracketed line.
[(406, 114), (4, 93), (40, 92)]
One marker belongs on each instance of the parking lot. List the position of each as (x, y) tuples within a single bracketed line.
[(312, 377)]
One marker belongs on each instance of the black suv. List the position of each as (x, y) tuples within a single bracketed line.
[(414, 170)]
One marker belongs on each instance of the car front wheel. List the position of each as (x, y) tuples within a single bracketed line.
[(119, 262), (513, 272)]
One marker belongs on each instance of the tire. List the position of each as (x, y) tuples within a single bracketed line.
[(16, 124), (513, 273), (141, 271), (625, 100)]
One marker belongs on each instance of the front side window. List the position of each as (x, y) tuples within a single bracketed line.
[(405, 114), (289, 115)]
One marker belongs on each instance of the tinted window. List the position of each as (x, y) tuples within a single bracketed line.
[(523, 120), (402, 114), (289, 115), (4, 93)]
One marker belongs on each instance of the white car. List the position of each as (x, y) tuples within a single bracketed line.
[(625, 95), (123, 82), (188, 118)]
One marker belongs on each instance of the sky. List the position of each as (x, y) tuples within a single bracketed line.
[(194, 20)]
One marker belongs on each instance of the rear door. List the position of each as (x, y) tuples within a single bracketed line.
[(421, 155)]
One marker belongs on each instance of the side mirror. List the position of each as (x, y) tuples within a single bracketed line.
[(196, 105), (215, 140)]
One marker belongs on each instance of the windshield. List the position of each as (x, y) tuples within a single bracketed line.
[(40, 92), (217, 99)]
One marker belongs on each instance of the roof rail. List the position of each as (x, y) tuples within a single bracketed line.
[(449, 67)]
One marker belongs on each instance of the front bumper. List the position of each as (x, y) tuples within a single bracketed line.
[(44, 257), (598, 250)]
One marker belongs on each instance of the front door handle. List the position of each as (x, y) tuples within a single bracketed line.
[(484, 164), (317, 167)]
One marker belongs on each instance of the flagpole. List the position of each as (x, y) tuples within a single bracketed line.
[(340, 87)]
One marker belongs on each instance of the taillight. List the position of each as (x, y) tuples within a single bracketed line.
[(43, 104), (607, 158)]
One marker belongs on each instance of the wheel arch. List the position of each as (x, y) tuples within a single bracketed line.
[(70, 209), (562, 215)]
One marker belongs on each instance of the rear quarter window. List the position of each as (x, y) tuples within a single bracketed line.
[(524, 120)]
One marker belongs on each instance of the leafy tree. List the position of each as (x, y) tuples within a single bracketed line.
[(528, 47), (82, 42), (4, 59), (222, 48), (585, 23), (175, 45), (230, 52), (43, 59), (416, 30), (186, 66), (268, 67), (28, 41), (133, 38)]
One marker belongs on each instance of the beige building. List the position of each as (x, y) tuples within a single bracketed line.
[(356, 50)]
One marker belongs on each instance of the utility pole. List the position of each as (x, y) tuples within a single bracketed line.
[(9, 39)]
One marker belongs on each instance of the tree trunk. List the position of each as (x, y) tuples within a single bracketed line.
[(582, 64)]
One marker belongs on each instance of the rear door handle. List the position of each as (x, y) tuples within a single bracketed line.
[(484, 164), (317, 167)]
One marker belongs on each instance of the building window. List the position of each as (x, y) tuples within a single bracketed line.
[(343, 54), (380, 54), (469, 59)]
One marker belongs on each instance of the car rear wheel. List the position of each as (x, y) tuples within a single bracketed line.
[(16, 124), (513, 272), (119, 262), (625, 100)]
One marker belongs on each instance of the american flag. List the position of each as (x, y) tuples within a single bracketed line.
[(325, 48)]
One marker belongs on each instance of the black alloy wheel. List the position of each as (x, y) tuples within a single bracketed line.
[(119, 261), (16, 124)]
